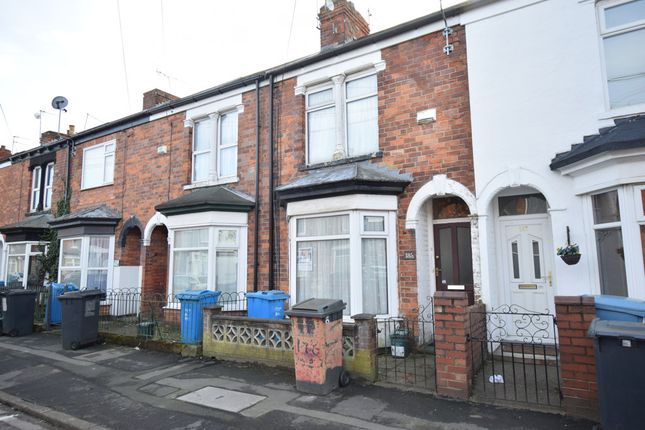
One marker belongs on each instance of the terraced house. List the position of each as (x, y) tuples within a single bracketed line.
[(296, 178)]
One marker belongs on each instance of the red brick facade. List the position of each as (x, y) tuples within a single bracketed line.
[(417, 76)]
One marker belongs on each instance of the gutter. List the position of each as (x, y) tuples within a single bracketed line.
[(144, 116)]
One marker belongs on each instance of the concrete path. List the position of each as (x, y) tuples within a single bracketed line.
[(120, 388)]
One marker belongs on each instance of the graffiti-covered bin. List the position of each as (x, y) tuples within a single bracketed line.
[(317, 327)]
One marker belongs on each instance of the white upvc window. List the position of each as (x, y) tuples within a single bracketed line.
[(22, 264), (208, 258), (49, 186), (348, 256), (214, 145), (610, 250), (98, 165), (622, 30), (35, 188), (342, 118), (86, 262)]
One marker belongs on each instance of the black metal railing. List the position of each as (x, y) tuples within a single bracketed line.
[(132, 313), (515, 356), (405, 349)]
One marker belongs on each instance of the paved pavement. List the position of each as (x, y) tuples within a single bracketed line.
[(120, 388)]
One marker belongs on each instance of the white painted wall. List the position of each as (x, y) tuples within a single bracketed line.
[(536, 87)]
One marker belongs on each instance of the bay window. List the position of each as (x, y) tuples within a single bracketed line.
[(208, 258), (86, 261), (347, 256), (23, 265), (342, 119), (609, 243)]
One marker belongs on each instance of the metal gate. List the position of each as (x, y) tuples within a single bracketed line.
[(515, 356), (405, 349)]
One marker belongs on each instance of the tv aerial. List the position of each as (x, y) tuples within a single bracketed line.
[(59, 103)]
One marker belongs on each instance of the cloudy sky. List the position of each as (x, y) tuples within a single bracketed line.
[(103, 54)]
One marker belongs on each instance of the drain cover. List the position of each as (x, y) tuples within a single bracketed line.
[(219, 398)]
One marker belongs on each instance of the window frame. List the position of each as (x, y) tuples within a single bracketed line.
[(212, 248), (340, 101), (49, 186), (605, 32), (84, 259), (36, 187), (106, 155), (28, 253), (216, 146), (355, 236)]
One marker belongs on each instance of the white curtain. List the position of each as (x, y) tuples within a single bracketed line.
[(374, 256), (226, 270), (362, 126), (323, 226), (202, 144), (97, 263), (93, 165), (323, 270), (228, 145), (321, 138)]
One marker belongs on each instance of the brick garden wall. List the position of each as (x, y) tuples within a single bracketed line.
[(577, 360)]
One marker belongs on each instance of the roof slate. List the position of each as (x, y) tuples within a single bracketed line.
[(208, 199), (628, 133), (32, 222)]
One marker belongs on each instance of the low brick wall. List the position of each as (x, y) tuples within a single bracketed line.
[(270, 342), (577, 360)]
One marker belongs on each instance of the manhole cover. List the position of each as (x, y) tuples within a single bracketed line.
[(219, 398)]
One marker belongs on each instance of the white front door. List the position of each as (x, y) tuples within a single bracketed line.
[(526, 263)]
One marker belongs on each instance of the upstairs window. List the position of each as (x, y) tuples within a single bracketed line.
[(35, 188), (49, 185), (622, 27), (98, 165), (215, 148), (342, 119)]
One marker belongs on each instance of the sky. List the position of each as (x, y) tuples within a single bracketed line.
[(102, 55)]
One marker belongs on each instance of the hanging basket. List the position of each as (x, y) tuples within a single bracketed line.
[(571, 259)]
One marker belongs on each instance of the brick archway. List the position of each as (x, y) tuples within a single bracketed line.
[(155, 263)]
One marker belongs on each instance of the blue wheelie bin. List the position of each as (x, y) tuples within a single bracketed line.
[(618, 308), (266, 304), (192, 311), (53, 305)]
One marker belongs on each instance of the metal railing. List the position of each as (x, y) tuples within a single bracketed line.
[(148, 316)]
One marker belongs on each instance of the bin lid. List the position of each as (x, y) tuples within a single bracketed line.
[(619, 329), (269, 295), (84, 294), (316, 308), (621, 304), (17, 292), (197, 294)]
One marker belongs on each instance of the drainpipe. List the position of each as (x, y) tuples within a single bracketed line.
[(271, 197), (70, 151), (256, 238)]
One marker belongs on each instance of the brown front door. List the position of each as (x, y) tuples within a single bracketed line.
[(453, 258)]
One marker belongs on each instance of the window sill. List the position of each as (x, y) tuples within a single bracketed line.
[(378, 154), (221, 181), (109, 184), (622, 112)]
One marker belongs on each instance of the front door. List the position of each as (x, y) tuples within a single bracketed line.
[(526, 266), (453, 258)]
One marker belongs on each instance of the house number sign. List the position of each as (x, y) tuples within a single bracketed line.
[(409, 255)]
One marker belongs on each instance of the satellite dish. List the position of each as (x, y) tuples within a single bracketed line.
[(59, 102)]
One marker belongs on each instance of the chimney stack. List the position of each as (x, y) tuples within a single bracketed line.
[(340, 24), (4, 153), (71, 130), (50, 136), (156, 97)]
